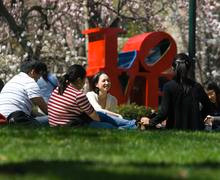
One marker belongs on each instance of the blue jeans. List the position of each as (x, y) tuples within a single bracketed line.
[(42, 120), (99, 124), (117, 121)]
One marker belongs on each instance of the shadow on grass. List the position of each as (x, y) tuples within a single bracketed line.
[(70, 170), (98, 170)]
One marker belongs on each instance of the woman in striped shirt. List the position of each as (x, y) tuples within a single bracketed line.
[(68, 106)]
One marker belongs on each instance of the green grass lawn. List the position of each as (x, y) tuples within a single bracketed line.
[(67, 153)]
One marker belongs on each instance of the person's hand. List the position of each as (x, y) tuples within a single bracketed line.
[(209, 120), (144, 122), (159, 126)]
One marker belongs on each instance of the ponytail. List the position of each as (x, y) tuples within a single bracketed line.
[(73, 73), (182, 65), (64, 81)]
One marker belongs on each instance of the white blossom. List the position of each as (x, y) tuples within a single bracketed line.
[(29, 43)]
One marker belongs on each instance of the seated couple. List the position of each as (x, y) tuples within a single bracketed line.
[(68, 106), (21, 92)]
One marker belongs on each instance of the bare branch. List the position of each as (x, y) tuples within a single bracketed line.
[(17, 30)]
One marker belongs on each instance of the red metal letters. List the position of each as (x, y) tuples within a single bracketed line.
[(137, 71)]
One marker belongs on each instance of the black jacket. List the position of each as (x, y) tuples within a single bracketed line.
[(183, 111)]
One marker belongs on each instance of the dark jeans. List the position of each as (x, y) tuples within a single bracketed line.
[(85, 120), (19, 117)]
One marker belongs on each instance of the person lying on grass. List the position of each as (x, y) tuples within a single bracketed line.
[(184, 103)]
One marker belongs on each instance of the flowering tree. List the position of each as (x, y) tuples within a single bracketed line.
[(207, 36), (51, 29), (208, 40)]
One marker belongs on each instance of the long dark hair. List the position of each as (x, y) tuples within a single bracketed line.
[(73, 73), (95, 81), (182, 64)]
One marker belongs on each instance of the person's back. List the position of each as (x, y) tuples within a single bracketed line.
[(47, 85), (184, 102), (67, 103), (64, 109), (22, 91), (16, 94), (185, 110)]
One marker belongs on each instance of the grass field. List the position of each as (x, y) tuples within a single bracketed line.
[(67, 153)]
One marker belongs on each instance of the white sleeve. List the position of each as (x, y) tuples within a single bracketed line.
[(93, 99), (32, 89)]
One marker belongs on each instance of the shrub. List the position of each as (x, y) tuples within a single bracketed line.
[(134, 111)]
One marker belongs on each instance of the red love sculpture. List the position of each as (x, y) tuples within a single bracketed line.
[(136, 71)]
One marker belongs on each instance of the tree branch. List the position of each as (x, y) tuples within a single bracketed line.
[(38, 9), (17, 30)]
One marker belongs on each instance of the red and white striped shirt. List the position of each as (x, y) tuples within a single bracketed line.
[(63, 109)]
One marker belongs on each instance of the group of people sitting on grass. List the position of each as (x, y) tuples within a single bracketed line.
[(185, 104)]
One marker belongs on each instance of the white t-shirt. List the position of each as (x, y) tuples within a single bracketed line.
[(17, 93), (111, 102)]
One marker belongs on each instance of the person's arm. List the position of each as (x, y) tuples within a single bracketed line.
[(86, 106), (113, 113), (94, 116), (216, 118), (209, 120), (163, 111), (53, 80), (92, 97), (94, 101), (39, 101)]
